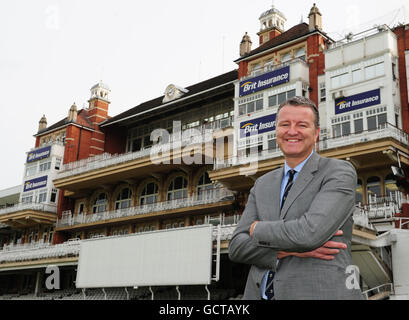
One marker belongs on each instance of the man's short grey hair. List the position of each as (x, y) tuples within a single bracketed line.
[(302, 101)]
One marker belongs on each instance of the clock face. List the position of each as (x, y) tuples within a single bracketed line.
[(171, 90)]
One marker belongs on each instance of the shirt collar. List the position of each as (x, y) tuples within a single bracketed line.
[(298, 167)]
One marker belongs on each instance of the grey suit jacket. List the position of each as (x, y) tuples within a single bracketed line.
[(320, 202)]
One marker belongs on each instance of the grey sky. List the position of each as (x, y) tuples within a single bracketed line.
[(53, 52)]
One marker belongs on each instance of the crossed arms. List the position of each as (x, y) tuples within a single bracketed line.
[(306, 236)]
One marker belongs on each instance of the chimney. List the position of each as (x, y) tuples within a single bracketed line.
[(72, 113), (314, 17), (42, 124), (245, 45)]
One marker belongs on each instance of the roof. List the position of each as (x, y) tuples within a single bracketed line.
[(291, 34), (82, 120), (193, 90)]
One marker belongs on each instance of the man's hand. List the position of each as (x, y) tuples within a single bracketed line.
[(326, 252), (252, 228)]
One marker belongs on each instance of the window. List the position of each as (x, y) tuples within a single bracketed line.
[(375, 70), (390, 186), (359, 192), (250, 107), (272, 142), (340, 80), (357, 75), (277, 99), (53, 196), (45, 235), (322, 92), (149, 194), (50, 235), (358, 125), (42, 197), (57, 163), (204, 186), (81, 208), (272, 101), (377, 121), (30, 170), (281, 97), (300, 54), (45, 166), (28, 198), (177, 188), (286, 57), (373, 186), (123, 199), (341, 126), (100, 203)]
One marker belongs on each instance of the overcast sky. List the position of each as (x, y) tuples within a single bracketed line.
[(53, 52)]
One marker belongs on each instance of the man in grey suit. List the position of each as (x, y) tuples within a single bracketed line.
[(296, 229)]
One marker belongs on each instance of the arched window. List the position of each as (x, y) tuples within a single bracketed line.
[(204, 186), (359, 192), (177, 188), (373, 186), (149, 194), (123, 199), (100, 203), (390, 186)]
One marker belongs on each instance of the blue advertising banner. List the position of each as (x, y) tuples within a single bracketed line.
[(39, 154), (258, 125), (35, 183), (265, 81), (358, 101)]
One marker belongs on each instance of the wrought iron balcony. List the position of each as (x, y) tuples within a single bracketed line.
[(44, 207), (206, 197)]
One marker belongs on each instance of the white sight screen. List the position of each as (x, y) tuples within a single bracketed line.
[(159, 258)]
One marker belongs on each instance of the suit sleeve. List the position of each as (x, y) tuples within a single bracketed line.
[(243, 248), (329, 210)]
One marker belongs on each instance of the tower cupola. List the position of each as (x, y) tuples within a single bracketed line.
[(271, 24)]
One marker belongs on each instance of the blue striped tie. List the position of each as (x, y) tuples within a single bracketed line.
[(269, 285)]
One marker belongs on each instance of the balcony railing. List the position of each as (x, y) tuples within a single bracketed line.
[(198, 135), (29, 206), (24, 246), (383, 131), (246, 159), (380, 209), (272, 67), (69, 248), (206, 197)]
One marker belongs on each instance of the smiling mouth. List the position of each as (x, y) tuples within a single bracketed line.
[(293, 140)]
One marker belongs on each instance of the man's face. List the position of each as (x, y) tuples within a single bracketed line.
[(296, 133)]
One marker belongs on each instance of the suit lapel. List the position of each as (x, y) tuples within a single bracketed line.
[(275, 193), (302, 181)]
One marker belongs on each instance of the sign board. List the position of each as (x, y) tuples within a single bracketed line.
[(257, 126), (264, 81), (358, 101)]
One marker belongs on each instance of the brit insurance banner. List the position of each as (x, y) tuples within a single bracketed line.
[(267, 80), (35, 183), (358, 101), (39, 154), (257, 126)]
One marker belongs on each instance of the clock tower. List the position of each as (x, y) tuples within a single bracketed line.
[(98, 103)]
